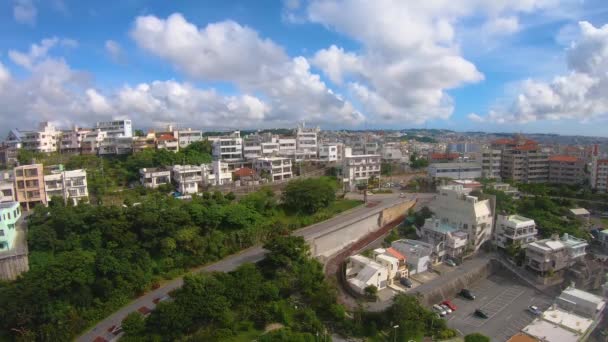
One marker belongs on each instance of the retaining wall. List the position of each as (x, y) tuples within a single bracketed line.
[(12, 266)]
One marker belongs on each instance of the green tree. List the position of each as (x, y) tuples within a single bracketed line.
[(133, 324), (371, 291), (139, 133), (307, 196), (476, 337)]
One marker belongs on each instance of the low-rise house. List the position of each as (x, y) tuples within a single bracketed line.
[(167, 142), (274, 168), (581, 302), (188, 178), (362, 272), (582, 214), (189, 136), (10, 212), (7, 187), (144, 143), (454, 171), (393, 260), (507, 188), (417, 254), (71, 186), (514, 230), (554, 254), (152, 178), (448, 240)]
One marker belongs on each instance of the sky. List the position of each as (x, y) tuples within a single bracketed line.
[(529, 66)]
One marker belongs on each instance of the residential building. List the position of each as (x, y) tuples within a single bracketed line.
[(443, 157), (252, 146), (514, 230), (558, 325), (491, 163), (372, 147), (115, 145), (454, 170), (362, 272), (581, 214), (506, 188), (448, 240), (228, 147), (8, 155), (467, 213), (359, 169), (187, 177), (152, 178), (29, 185), (271, 148), (116, 128), (189, 136), (92, 141), (391, 152), (599, 172), (463, 147), (10, 213), (395, 262), (523, 160), (44, 139), (306, 143), (287, 147), (417, 254), (566, 170), (70, 142), (554, 254), (275, 168), (468, 185), (603, 239), (69, 185), (331, 152), (581, 302), (7, 187), (218, 173), (146, 142), (167, 141)]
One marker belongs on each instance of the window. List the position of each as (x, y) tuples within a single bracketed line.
[(1, 232)]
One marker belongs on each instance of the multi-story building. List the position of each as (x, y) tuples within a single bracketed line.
[(92, 141), (362, 272), (145, 142), (287, 147), (454, 170), (514, 230), (306, 143), (116, 145), (219, 173), (152, 178), (275, 168), (71, 141), (417, 254), (10, 212), (436, 157), (44, 139), (116, 128), (189, 136), (187, 177), (491, 161), (599, 172), (359, 169), (228, 147), (252, 146), (448, 240), (69, 185), (463, 147), (167, 141), (7, 187), (454, 207), (391, 152), (523, 160), (554, 254), (29, 185), (566, 170), (331, 152), (8, 155)]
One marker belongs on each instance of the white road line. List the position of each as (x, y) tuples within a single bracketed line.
[(508, 317)]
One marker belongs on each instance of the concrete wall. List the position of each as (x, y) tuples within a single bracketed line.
[(395, 212), (13, 266)]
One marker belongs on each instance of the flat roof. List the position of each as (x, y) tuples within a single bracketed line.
[(590, 297), (522, 338), (550, 332), (453, 165), (567, 320), (579, 211), (519, 219), (7, 205)]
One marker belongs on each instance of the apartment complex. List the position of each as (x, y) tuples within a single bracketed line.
[(491, 163), (523, 160), (599, 172), (454, 171), (554, 254), (10, 212), (358, 169), (228, 147), (44, 139), (187, 177), (566, 170), (116, 128), (152, 178), (447, 239), (29, 185), (331, 152), (276, 168), (514, 230), (189, 136), (7, 187), (70, 141), (306, 143), (69, 185)]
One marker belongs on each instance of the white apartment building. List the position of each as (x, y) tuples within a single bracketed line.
[(167, 141), (116, 128), (277, 168), (306, 143), (218, 173), (7, 187), (187, 177), (467, 213), (448, 240), (599, 172), (271, 148), (92, 141), (228, 147), (189, 136), (71, 141), (417, 254), (69, 185), (116, 145), (287, 148), (392, 152), (491, 163), (152, 178), (514, 230), (581, 302), (362, 272), (331, 152), (454, 170), (359, 169), (44, 139), (554, 254)]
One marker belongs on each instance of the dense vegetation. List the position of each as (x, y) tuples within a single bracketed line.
[(407, 230), (88, 260), (307, 196), (423, 139), (416, 162)]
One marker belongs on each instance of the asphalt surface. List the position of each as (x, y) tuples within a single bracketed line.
[(375, 203), (505, 300)]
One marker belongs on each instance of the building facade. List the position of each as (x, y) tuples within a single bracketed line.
[(189, 136), (7, 187), (566, 170), (358, 169), (228, 147), (29, 185), (306, 143), (331, 152), (188, 178), (275, 168), (514, 230), (554, 254), (10, 213), (44, 139), (448, 240), (454, 171), (417, 254), (491, 163), (70, 185), (523, 160), (116, 128), (152, 178), (599, 172)]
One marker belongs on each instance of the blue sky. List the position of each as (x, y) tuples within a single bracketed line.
[(516, 66)]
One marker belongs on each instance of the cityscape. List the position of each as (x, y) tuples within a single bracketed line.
[(304, 170)]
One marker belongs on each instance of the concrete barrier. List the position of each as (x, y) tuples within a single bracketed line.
[(13, 265)]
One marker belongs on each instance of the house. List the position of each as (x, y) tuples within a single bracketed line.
[(145, 142), (417, 254), (454, 171), (581, 302), (188, 178), (7, 187), (362, 272), (167, 141), (395, 262), (554, 254), (152, 178), (507, 188), (71, 186), (10, 213), (218, 173), (331, 152), (29, 185), (245, 175), (276, 169), (448, 240), (514, 230), (582, 214)]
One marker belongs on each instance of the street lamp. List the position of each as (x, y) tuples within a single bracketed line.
[(395, 335)]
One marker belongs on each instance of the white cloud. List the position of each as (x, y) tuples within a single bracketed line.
[(38, 52), (580, 94), (501, 26), (114, 50), (335, 62), (25, 12), (476, 118), (98, 102)]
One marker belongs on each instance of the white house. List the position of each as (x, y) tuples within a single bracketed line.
[(395, 262), (287, 147), (362, 272), (417, 253), (555, 253), (331, 152), (152, 178), (219, 173), (448, 240), (187, 177), (581, 302), (514, 229), (277, 168), (69, 185)]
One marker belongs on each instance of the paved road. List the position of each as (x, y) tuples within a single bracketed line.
[(252, 254)]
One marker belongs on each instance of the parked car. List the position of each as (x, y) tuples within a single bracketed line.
[(438, 309), (449, 304), (402, 195), (480, 313), (533, 309), (446, 308), (467, 294), (450, 262), (406, 282)]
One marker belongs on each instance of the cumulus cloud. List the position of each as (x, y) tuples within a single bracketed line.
[(580, 94), (501, 26), (25, 12), (38, 52), (114, 50)]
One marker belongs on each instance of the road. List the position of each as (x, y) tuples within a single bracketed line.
[(249, 255)]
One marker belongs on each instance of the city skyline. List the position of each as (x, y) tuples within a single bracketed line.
[(516, 66)]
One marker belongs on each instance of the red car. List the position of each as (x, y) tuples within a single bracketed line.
[(449, 305)]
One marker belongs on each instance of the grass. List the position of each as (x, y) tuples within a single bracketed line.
[(604, 222), (382, 191), (298, 221), (245, 336)]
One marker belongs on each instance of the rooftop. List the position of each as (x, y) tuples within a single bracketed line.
[(567, 320), (455, 165), (590, 297), (550, 332), (579, 211), (8, 205), (521, 338), (564, 159)]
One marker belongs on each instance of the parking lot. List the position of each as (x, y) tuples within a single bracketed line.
[(505, 300)]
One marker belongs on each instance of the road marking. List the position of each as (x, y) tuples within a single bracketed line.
[(509, 317)]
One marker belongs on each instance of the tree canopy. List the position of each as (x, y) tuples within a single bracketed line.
[(307, 196)]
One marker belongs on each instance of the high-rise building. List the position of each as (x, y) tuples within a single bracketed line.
[(306, 143), (599, 172), (566, 170), (29, 185), (491, 161)]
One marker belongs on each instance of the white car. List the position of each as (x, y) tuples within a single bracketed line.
[(445, 308), (439, 310), (534, 310)]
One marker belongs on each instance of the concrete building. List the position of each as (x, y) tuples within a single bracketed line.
[(603, 239), (116, 128), (187, 177), (44, 139), (454, 171), (275, 168), (219, 173), (463, 147), (359, 169), (467, 213), (189, 136), (448, 240), (331, 152), (514, 230), (167, 141), (306, 143), (116, 145), (417, 254), (7, 187), (92, 141), (252, 146), (554, 254), (599, 172), (228, 147), (523, 160), (507, 188), (566, 170), (438, 157), (10, 213), (70, 142), (491, 163), (362, 272), (391, 152), (152, 178), (69, 185), (29, 185), (582, 303), (395, 262), (287, 148), (8, 156), (143, 143), (581, 214), (558, 325)]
